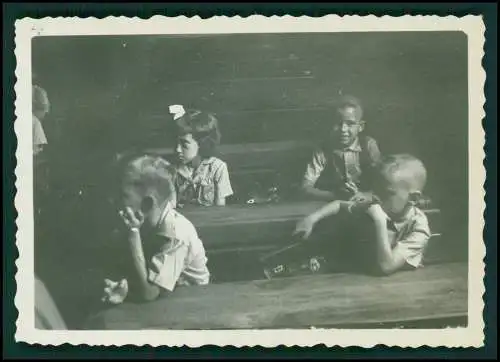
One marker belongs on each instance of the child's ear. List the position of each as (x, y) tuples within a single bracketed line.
[(147, 204), (415, 197)]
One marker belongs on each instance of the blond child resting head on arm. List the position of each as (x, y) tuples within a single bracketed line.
[(401, 229), (164, 246)]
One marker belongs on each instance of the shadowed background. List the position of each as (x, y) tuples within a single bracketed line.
[(112, 93)]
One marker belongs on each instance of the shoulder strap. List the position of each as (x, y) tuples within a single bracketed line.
[(364, 155), (365, 162)]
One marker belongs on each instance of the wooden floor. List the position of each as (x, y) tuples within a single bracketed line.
[(435, 292)]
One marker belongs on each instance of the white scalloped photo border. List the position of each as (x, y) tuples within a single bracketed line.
[(27, 28)]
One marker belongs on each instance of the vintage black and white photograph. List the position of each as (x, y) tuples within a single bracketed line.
[(225, 181)]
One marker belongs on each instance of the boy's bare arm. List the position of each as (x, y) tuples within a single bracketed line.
[(330, 209), (133, 222), (313, 172), (317, 194), (220, 201), (148, 291), (306, 225), (387, 260)]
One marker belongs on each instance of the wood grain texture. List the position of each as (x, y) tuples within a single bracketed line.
[(408, 82), (251, 157), (285, 124), (326, 300), (260, 224)]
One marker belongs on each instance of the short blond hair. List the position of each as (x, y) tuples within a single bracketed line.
[(407, 167), (151, 174)]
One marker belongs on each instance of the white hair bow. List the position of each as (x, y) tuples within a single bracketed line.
[(177, 110)]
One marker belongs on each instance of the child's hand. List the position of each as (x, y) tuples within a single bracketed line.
[(131, 219), (362, 197), (115, 292), (376, 212), (304, 227), (352, 187)]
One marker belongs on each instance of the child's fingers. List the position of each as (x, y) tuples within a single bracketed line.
[(299, 228), (116, 300), (109, 282), (302, 233), (124, 216), (139, 216), (130, 213), (352, 187)]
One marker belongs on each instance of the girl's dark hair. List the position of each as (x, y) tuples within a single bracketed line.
[(205, 130)]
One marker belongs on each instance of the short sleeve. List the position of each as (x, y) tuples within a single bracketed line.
[(167, 266), (314, 168), (222, 183), (47, 315), (373, 151), (412, 245), (39, 137)]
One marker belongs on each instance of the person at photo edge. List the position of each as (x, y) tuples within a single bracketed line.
[(47, 316), (40, 108)]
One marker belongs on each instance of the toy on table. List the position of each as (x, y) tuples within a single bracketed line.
[(271, 195), (295, 259)]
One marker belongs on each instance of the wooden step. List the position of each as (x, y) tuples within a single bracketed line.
[(429, 293), (249, 156), (257, 225), (246, 231)]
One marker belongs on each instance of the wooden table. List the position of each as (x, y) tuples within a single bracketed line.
[(243, 226), (435, 292)]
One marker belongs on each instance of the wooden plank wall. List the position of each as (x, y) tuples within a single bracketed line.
[(112, 93)]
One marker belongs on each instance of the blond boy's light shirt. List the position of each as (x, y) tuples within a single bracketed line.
[(410, 235), (202, 186), (181, 260)]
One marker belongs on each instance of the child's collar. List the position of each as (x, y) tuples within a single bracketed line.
[(183, 170), (401, 220), (161, 227), (355, 146)]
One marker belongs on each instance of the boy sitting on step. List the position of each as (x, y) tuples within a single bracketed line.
[(345, 160)]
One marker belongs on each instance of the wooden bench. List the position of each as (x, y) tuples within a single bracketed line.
[(254, 166), (254, 229), (327, 301), (250, 156), (236, 237)]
